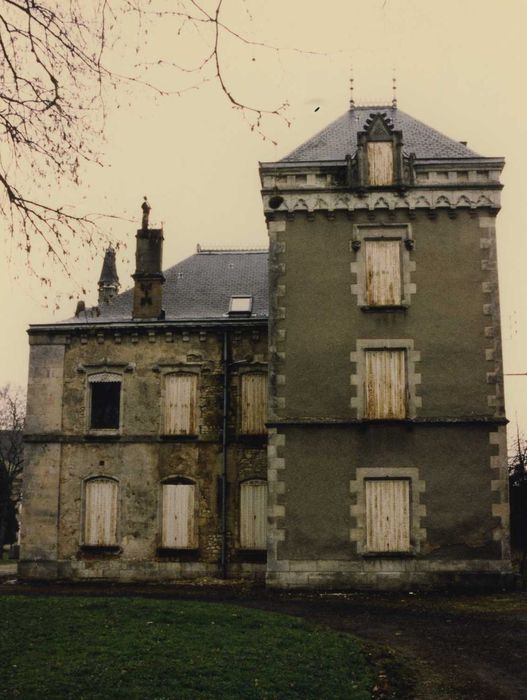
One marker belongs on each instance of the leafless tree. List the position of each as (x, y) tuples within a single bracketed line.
[(55, 78), (518, 498), (11, 459)]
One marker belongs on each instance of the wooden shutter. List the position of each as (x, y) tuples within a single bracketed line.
[(387, 515), (253, 403), (380, 163), (385, 384), (179, 522), (253, 514), (180, 404), (383, 273), (100, 520)]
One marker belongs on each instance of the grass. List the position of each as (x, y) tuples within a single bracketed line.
[(140, 648)]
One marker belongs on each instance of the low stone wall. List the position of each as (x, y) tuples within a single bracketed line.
[(125, 571)]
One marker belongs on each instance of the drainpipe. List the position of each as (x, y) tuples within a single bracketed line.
[(224, 454)]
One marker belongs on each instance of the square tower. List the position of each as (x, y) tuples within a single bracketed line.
[(387, 463)]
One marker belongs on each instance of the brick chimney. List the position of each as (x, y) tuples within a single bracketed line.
[(148, 277), (108, 281)]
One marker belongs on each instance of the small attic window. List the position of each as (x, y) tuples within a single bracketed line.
[(240, 305)]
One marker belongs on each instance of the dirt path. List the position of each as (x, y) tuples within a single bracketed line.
[(457, 647), (481, 656)]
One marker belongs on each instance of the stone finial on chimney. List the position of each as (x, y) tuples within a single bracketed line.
[(148, 276), (109, 280), (146, 212)]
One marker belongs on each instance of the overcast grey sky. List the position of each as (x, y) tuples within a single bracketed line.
[(460, 69)]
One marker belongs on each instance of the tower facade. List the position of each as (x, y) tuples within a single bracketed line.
[(387, 456)]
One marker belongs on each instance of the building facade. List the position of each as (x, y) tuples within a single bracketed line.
[(371, 454), (387, 424), (145, 436)]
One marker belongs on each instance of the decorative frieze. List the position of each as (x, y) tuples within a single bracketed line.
[(415, 198)]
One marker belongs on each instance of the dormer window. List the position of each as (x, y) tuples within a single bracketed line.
[(379, 160), (240, 305)]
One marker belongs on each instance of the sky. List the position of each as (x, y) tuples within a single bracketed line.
[(459, 67)]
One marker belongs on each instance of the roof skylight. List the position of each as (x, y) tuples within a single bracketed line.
[(241, 305)]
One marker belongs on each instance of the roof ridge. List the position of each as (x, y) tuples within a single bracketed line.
[(219, 251)]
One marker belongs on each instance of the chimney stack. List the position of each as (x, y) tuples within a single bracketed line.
[(108, 281), (148, 276)]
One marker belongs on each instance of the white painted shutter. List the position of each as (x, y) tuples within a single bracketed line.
[(100, 522), (383, 273), (387, 515), (180, 404), (385, 384), (380, 163), (254, 403), (179, 526), (253, 514)]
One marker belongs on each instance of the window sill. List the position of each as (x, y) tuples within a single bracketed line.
[(384, 309), (385, 420), (250, 556), (100, 549), (389, 555), (179, 437), (251, 436), (103, 432), (177, 553)]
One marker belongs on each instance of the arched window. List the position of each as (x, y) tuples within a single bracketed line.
[(105, 400), (101, 503), (178, 514), (253, 514), (180, 406), (253, 403)]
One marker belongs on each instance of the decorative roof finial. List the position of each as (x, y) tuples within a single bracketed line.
[(146, 211), (394, 89), (352, 101)]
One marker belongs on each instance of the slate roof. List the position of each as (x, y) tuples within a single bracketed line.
[(338, 139), (199, 288)]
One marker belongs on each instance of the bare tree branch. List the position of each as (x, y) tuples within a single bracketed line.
[(55, 74)]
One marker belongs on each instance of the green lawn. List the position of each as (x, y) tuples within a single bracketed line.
[(142, 648)]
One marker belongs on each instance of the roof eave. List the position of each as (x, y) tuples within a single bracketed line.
[(207, 322)]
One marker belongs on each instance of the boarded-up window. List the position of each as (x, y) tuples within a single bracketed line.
[(180, 404), (383, 273), (178, 516), (385, 384), (387, 515), (253, 403), (100, 512), (380, 163), (253, 514), (105, 400)]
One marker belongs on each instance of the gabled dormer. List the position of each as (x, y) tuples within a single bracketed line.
[(379, 160)]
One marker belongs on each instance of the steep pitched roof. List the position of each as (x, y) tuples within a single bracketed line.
[(338, 139), (109, 269), (199, 288)]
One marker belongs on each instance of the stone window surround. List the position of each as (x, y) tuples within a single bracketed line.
[(362, 232), (238, 510), (358, 509), (246, 367), (171, 479), (106, 369), (91, 477), (358, 378), (166, 369)]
